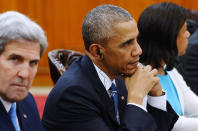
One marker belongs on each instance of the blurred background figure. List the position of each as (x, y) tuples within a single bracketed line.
[(163, 35), (189, 61), (22, 43)]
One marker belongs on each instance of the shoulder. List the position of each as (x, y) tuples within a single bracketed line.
[(28, 100), (178, 80), (28, 104), (175, 75), (29, 113)]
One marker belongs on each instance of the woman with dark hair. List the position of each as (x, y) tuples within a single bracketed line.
[(163, 36)]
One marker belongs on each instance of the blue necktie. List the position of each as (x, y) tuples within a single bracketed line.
[(114, 96), (13, 117)]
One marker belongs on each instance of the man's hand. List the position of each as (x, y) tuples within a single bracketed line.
[(156, 90), (143, 81)]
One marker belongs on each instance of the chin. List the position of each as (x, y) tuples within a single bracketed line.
[(19, 97), (128, 73), (131, 72), (181, 53)]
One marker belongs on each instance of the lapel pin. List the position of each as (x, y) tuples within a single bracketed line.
[(122, 97), (25, 116)]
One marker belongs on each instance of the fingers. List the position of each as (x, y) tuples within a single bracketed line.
[(140, 65), (144, 80), (154, 72), (148, 68)]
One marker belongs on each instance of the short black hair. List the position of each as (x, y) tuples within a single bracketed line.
[(98, 24), (159, 25)]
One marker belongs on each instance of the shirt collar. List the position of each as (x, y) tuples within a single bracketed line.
[(106, 81), (7, 105)]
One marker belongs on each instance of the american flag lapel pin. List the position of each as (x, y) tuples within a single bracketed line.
[(25, 116)]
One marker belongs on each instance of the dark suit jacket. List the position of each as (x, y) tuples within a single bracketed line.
[(27, 114), (189, 63), (80, 102)]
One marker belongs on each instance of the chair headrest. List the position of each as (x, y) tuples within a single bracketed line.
[(60, 60)]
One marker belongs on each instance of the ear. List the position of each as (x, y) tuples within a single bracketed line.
[(95, 50)]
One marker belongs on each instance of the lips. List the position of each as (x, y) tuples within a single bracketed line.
[(135, 63), (19, 85)]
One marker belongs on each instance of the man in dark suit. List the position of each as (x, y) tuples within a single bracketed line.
[(91, 96), (189, 61), (22, 43)]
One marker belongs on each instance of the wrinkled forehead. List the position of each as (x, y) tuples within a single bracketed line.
[(128, 28), (23, 48)]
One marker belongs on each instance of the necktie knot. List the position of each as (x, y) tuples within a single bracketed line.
[(12, 111), (113, 88)]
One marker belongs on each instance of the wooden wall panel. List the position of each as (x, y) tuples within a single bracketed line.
[(193, 4), (135, 7), (62, 20)]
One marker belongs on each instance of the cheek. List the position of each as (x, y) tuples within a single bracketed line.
[(32, 74), (6, 77), (182, 45)]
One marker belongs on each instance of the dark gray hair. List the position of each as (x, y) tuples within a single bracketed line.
[(14, 25), (99, 22)]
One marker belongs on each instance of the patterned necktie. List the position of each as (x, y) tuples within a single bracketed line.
[(114, 96), (13, 117)]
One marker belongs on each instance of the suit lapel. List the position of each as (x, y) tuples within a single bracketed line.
[(6, 123), (122, 96), (88, 68), (22, 116)]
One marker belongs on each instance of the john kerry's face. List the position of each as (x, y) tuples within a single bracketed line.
[(121, 53), (18, 66)]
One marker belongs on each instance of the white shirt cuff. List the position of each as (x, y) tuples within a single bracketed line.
[(158, 102)]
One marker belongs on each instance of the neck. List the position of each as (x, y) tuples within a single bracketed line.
[(161, 70), (109, 73), (99, 63)]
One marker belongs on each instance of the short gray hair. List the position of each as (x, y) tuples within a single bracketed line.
[(99, 22), (14, 25)]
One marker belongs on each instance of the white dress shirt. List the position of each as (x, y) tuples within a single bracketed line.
[(7, 105)]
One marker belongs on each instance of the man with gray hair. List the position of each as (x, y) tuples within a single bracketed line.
[(91, 96), (22, 43)]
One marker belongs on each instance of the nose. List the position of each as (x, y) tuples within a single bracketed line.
[(136, 49), (24, 71)]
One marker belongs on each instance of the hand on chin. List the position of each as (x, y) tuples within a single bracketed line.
[(128, 73)]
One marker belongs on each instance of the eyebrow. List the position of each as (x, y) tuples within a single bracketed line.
[(35, 60), (15, 55), (21, 57)]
